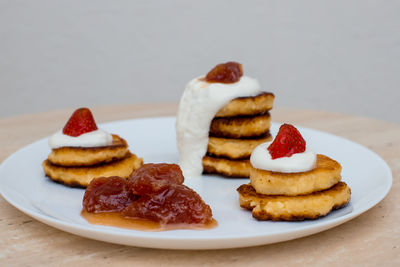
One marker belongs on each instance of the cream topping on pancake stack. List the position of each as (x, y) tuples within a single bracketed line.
[(200, 102), (95, 138), (299, 162)]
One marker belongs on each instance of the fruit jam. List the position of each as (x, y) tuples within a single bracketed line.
[(153, 198), (229, 72)]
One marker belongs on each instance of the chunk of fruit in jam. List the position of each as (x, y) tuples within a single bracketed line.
[(153, 192), (175, 204), (229, 72), (107, 195), (152, 178)]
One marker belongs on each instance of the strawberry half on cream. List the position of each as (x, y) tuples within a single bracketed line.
[(81, 131), (286, 153)]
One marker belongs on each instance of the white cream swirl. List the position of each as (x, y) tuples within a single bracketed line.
[(198, 105), (299, 162), (91, 139)]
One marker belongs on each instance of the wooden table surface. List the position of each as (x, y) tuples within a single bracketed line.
[(371, 239)]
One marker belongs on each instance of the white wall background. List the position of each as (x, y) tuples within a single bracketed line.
[(341, 56)]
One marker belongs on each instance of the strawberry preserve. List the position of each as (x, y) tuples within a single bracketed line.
[(153, 193), (229, 72)]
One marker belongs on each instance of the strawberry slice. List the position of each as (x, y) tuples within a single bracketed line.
[(287, 142), (81, 122)]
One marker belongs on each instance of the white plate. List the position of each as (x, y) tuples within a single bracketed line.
[(23, 185)]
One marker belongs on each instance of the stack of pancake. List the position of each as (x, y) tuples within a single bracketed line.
[(295, 196), (77, 166), (235, 131)]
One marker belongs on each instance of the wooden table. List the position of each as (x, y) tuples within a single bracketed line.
[(371, 239)]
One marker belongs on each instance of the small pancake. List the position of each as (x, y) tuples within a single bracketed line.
[(240, 127), (323, 176), (226, 167), (87, 156), (247, 106), (81, 176), (293, 208), (234, 148)]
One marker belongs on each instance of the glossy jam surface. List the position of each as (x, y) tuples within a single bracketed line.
[(174, 204), (154, 193), (107, 195), (229, 72), (154, 178)]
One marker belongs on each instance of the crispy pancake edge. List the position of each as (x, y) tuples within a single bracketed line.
[(338, 196), (81, 176), (87, 156), (226, 167), (248, 106), (234, 148), (240, 127)]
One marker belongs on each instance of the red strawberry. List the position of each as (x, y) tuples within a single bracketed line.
[(287, 142), (81, 122)]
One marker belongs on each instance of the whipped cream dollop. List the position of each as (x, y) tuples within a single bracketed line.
[(199, 103), (299, 162), (95, 138)]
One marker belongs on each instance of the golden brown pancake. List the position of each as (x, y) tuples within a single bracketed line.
[(81, 176), (323, 176), (87, 156), (293, 208), (226, 167), (240, 127), (247, 106), (234, 148)]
